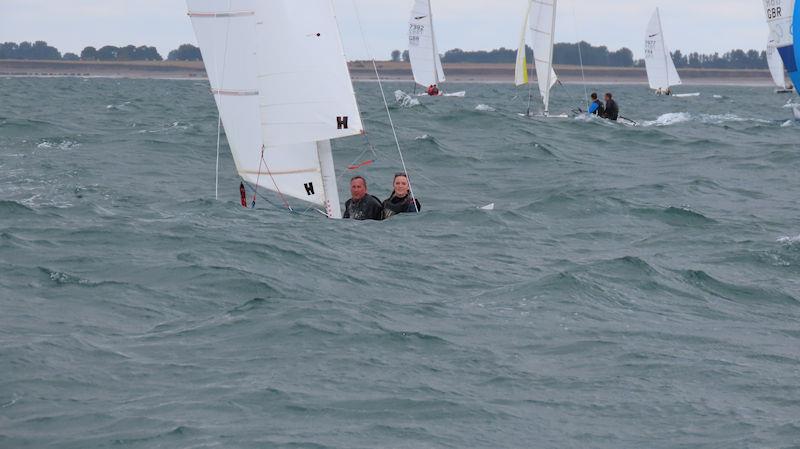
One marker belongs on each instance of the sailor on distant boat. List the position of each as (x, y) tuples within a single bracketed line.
[(596, 107), (362, 205), (612, 110), (433, 90), (400, 201)]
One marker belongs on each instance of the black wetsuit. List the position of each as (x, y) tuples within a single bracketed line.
[(400, 205), (367, 208), (600, 108), (611, 111)]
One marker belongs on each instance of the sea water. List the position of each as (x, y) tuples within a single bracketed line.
[(634, 287)]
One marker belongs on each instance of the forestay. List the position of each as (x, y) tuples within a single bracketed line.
[(423, 52), (542, 21), (661, 71)]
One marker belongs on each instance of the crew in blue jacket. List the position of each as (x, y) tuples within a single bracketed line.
[(596, 107)]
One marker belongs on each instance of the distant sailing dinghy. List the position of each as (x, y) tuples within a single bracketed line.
[(661, 72), (279, 77), (426, 65), (776, 69), (540, 20)]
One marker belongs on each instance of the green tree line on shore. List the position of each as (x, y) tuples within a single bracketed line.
[(563, 53), (575, 53), (40, 50)]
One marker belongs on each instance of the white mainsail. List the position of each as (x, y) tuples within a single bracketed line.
[(422, 50), (281, 83), (661, 71), (542, 22), (776, 66)]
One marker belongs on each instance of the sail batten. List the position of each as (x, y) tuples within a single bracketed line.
[(661, 72)]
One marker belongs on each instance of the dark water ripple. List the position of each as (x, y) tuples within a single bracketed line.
[(635, 287)]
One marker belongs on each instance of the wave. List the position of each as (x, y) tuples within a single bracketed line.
[(674, 118), (484, 108), (788, 240), (13, 207), (405, 100), (58, 144), (734, 292), (676, 216)]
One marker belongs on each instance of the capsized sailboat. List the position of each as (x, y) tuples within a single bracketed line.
[(280, 104), (540, 20), (661, 72), (426, 64)]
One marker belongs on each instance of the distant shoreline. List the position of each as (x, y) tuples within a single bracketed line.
[(389, 71)]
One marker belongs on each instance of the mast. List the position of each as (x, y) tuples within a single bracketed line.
[(663, 48), (550, 59), (435, 48), (329, 187)]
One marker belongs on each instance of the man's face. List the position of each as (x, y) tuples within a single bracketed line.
[(358, 189), (608, 97)]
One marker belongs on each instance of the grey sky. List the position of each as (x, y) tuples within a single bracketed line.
[(689, 25)]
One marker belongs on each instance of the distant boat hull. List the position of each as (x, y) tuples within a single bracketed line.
[(784, 91)]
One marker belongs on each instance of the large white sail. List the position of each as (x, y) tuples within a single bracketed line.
[(542, 22), (661, 71), (281, 83), (776, 65), (422, 49), (521, 68)]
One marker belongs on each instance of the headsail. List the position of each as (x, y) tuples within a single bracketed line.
[(776, 65), (779, 15), (661, 71), (422, 49), (542, 22), (281, 82), (521, 69)]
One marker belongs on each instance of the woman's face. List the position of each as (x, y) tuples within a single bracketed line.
[(401, 185)]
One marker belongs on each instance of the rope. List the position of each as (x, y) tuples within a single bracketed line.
[(386, 105), (580, 55), (219, 99)]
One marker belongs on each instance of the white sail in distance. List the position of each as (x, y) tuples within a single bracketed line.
[(661, 72), (426, 65), (288, 99), (521, 68), (776, 65), (542, 23)]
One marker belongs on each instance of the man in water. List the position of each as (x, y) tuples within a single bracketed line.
[(612, 110), (596, 107), (362, 205), (433, 90)]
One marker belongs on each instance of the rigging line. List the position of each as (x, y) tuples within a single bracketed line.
[(385, 104), (258, 182), (219, 98), (580, 55)]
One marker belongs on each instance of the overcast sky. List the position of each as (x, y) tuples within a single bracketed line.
[(689, 25)]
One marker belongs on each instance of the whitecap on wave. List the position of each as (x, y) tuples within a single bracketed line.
[(57, 144), (405, 100), (673, 118), (484, 108), (789, 240)]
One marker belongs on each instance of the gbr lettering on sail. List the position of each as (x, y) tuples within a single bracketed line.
[(774, 9)]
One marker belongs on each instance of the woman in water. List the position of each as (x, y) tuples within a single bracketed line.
[(401, 200)]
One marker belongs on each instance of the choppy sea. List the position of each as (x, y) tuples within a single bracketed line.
[(633, 287)]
